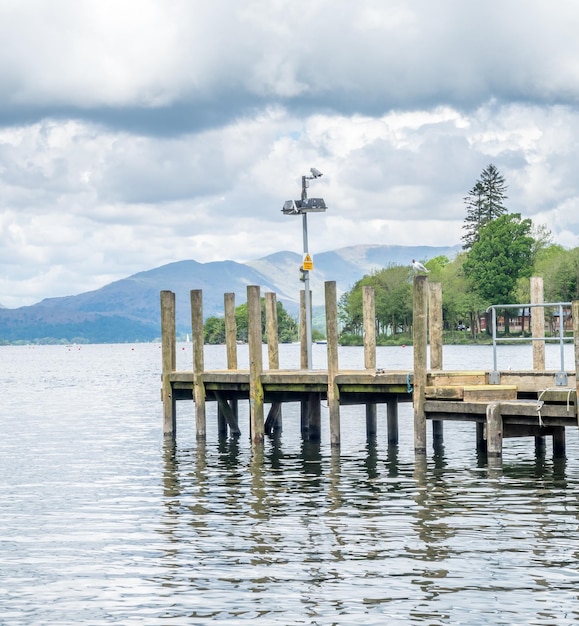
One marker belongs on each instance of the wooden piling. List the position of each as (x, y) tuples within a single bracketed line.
[(273, 422), (231, 350), (419, 326), (333, 369), (255, 342), (198, 362), (392, 421), (169, 361), (537, 323), (369, 318), (494, 430), (481, 442), (435, 325), (230, 330), (559, 450), (435, 335)]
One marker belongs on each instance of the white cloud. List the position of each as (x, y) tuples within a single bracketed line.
[(134, 134)]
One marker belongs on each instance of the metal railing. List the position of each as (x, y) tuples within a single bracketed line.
[(561, 375)]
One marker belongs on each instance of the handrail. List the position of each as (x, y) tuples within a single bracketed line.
[(561, 376)]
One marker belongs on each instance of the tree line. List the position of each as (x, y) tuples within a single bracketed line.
[(501, 250)]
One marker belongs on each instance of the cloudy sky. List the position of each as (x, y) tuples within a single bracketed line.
[(134, 133)]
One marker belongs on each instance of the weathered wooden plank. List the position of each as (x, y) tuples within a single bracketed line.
[(443, 379), (450, 392), (484, 393)]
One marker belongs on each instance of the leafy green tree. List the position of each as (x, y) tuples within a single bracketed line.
[(214, 327), (484, 203), (393, 301), (214, 330), (502, 254)]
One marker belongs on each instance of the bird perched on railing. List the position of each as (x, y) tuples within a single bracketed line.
[(418, 267)]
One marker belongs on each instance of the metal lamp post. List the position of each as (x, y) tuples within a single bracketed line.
[(303, 207)]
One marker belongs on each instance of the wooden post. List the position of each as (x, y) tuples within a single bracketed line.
[(231, 348), (435, 325), (332, 337), (255, 364), (537, 323), (494, 430), (369, 317), (273, 422), (392, 421), (230, 330), (419, 326), (271, 330), (435, 334), (169, 362), (575, 313), (198, 364)]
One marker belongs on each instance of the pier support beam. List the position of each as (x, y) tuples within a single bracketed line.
[(559, 442), (255, 341), (419, 326), (169, 362), (332, 337), (392, 421), (481, 442), (198, 362)]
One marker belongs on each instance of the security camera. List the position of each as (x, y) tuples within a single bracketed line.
[(315, 173)]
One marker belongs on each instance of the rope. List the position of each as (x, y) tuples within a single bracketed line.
[(540, 402)]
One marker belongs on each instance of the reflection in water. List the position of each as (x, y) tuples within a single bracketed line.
[(120, 527)]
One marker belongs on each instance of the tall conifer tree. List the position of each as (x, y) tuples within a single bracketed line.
[(485, 202)]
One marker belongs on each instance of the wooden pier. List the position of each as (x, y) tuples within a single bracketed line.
[(503, 404)]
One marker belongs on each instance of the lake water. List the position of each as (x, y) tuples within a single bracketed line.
[(103, 522)]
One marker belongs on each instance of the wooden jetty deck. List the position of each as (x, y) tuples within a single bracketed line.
[(530, 403)]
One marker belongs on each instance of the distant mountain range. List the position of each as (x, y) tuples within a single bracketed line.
[(128, 309)]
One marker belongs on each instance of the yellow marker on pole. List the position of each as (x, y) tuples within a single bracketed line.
[(308, 263)]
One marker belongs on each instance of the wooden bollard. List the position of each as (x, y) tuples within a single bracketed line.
[(332, 338), (255, 341), (537, 324), (369, 317), (273, 422), (198, 362), (494, 430), (169, 361), (419, 326)]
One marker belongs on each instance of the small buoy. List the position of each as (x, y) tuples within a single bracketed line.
[(404, 345)]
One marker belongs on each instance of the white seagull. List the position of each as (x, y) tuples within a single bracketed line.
[(418, 267)]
